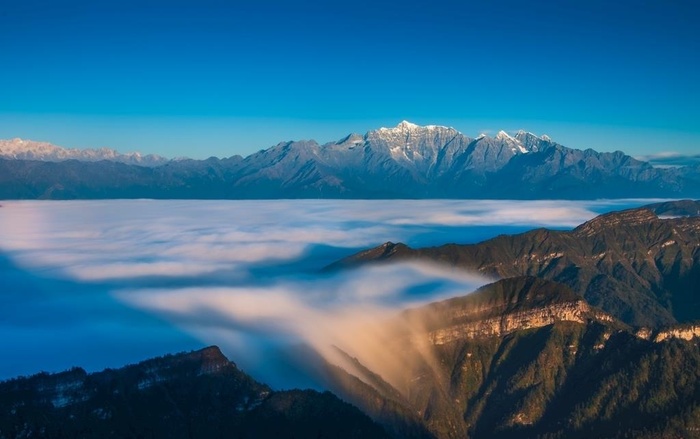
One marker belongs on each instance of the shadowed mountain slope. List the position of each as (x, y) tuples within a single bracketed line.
[(640, 265), (193, 395)]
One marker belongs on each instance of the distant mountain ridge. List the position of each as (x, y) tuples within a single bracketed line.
[(19, 149), (406, 161)]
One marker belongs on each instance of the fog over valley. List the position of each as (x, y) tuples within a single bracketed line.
[(104, 283)]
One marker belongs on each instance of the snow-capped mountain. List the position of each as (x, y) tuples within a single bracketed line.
[(405, 161), (20, 149)]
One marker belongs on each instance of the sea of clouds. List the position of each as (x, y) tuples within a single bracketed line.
[(104, 283)]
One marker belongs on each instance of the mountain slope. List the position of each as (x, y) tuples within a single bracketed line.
[(406, 161), (561, 368), (73, 179), (198, 394), (639, 267)]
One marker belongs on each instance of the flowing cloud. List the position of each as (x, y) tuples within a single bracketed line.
[(351, 311), (120, 280), (669, 159)]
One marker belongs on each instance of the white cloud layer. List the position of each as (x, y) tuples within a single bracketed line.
[(117, 281)]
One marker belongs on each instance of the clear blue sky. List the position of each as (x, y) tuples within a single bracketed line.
[(224, 77)]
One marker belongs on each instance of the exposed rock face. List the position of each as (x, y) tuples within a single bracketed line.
[(193, 395), (527, 358), (641, 268), (685, 332), (508, 306), (579, 312)]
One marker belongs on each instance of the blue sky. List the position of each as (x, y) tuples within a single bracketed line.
[(231, 77)]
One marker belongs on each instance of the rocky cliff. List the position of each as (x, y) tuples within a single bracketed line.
[(528, 358)]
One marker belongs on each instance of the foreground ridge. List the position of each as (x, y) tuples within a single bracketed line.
[(196, 394), (529, 358)]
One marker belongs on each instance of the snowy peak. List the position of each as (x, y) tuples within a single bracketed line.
[(352, 139), (20, 149), (515, 144), (502, 135), (414, 146), (407, 127)]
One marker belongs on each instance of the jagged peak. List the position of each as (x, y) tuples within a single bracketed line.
[(502, 135), (514, 142), (522, 134), (405, 125), (350, 138)]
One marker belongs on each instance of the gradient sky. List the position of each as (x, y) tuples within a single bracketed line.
[(231, 77)]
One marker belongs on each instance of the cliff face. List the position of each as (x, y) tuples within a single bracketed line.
[(505, 307), (526, 357), (682, 332), (547, 351), (579, 312)]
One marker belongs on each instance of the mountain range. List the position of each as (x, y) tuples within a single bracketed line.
[(406, 161), (593, 332), (18, 149)]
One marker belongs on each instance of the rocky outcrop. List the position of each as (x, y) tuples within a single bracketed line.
[(684, 333), (504, 307), (680, 332), (579, 312)]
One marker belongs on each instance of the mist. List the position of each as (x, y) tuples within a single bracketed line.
[(104, 283)]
